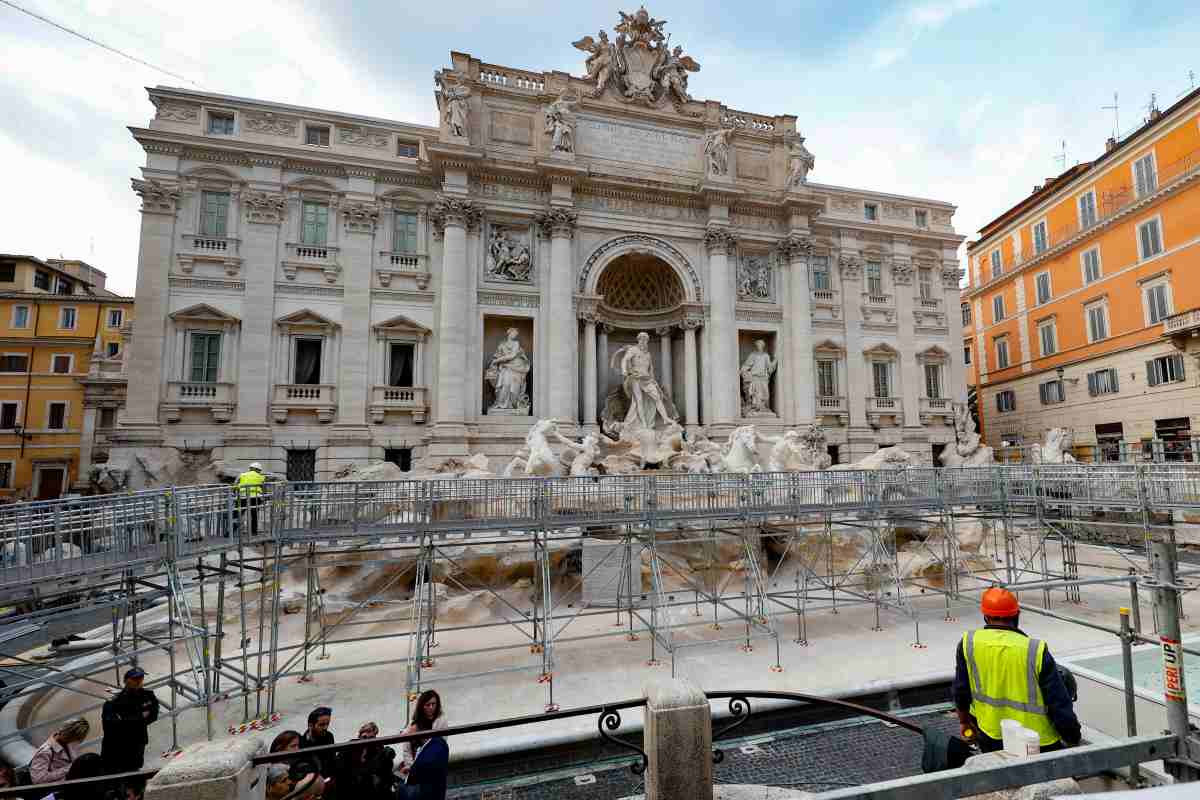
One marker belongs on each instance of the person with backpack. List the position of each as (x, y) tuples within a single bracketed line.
[(125, 718)]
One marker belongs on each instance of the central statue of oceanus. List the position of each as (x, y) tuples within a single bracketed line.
[(638, 412)]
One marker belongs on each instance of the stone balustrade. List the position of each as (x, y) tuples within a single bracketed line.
[(409, 399), (1182, 322), (320, 398), (218, 398)]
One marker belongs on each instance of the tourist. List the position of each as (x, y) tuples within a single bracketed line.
[(286, 742), (366, 772), (428, 716), (88, 765), (310, 785), (125, 719), (52, 760), (993, 668), (8, 779), (427, 774), (319, 735), (132, 789), (279, 780)]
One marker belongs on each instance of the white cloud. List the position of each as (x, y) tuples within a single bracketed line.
[(896, 35)]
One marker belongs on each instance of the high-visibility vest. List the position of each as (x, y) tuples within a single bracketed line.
[(1003, 666), (250, 483)]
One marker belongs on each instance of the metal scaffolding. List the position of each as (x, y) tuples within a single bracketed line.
[(208, 556)]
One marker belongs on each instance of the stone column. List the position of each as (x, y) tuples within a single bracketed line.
[(602, 358), (691, 376), (909, 371), (956, 370), (589, 373), (678, 742), (454, 216), (147, 354), (858, 382), (799, 374), (560, 223), (722, 335), (666, 380)]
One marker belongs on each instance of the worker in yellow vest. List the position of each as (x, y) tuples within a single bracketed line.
[(249, 489), (1001, 673)]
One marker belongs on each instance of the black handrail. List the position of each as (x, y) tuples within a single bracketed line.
[(610, 718), (42, 789), (739, 709)]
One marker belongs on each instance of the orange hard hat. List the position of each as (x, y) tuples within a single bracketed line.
[(999, 602)]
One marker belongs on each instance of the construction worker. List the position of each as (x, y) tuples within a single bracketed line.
[(1001, 673), (249, 488)]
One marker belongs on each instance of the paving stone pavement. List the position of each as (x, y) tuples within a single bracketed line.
[(820, 760)]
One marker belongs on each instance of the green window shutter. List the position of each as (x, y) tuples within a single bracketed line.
[(1151, 378)]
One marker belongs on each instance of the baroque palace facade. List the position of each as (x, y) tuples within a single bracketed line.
[(317, 289), (1082, 309)]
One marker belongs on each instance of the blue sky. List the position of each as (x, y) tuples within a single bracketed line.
[(961, 100)]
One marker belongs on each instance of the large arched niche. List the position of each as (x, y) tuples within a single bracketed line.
[(660, 252), (640, 282)]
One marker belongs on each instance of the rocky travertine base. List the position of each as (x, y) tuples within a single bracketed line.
[(1034, 791)]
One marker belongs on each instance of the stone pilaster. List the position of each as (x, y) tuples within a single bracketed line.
[(909, 372), (356, 257), (589, 373), (160, 203), (798, 372), (722, 333), (452, 216), (666, 378), (956, 370), (260, 249), (559, 225), (602, 358), (858, 382)]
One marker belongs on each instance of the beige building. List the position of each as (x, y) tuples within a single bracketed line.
[(319, 288)]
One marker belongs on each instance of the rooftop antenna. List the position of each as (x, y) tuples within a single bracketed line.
[(1152, 106), (1061, 158), (1116, 109)]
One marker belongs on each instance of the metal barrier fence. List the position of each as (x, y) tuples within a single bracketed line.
[(70, 538)]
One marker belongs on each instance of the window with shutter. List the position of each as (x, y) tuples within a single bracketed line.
[(315, 223), (1006, 400), (1091, 265), (827, 379), (1001, 353), (1043, 287), (1145, 179), (56, 416), (1156, 303), (874, 272), (997, 268), (882, 374), (997, 308), (1149, 240), (933, 381), (406, 233), (8, 415), (819, 269), (1046, 332), (1040, 241), (214, 213), (206, 357), (1087, 210), (1165, 369), (1097, 323)]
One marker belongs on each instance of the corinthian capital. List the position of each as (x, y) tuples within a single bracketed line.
[(796, 246), (454, 211), (951, 276), (850, 265), (558, 222), (902, 273), (157, 197), (719, 240)]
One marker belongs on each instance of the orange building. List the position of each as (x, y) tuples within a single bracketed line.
[(1082, 308), (62, 341)]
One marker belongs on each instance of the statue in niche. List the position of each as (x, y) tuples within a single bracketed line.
[(507, 374), (599, 63), (756, 381), (643, 391), (716, 150), (560, 123), (800, 163), (507, 258), (455, 110)]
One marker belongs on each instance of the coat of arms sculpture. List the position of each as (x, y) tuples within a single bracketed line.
[(641, 66)]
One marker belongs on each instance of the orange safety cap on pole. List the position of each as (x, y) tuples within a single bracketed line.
[(999, 602)]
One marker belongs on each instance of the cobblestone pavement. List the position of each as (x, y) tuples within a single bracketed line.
[(826, 758)]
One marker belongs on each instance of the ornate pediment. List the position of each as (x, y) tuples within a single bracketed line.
[(306, 318), (829, 347), (401, 326), (640, 66), (881, 351), (203, 312), (933, 355)]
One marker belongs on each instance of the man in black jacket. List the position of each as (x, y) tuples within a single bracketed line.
[(317, 735), (125, 718)]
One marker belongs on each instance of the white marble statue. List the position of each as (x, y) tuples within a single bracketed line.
[(643, 392), (967, 450), (1056, 449), (582, 456), (798, 452), (507, 373), (536, 458), (507, 258), (894, 457), (599, 64), (456, 110), (716, 150), (741, 451), (754, 278), (756, 381), (560, 123), (672, 73), (800, 163)]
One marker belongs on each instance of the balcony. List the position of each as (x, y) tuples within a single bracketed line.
[(933, 408), (1185, 323), (824, 295), (872, 299), (879, 408), (406, 399), (220, 250), (835, 407), (320, 398), (322, 257), (217, 398), (931, 303), (404, 265)]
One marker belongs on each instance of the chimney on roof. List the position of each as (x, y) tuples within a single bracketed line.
[(1155, 115), (1110, 144), (1037, 187)]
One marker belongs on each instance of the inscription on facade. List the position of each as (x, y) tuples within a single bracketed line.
[(753, 166), (513, 128), (641, 145)]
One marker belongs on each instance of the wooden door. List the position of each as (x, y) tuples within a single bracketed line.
[(50, 483)]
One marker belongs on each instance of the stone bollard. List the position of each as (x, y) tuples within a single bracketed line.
[(678, 742), (212, 771)]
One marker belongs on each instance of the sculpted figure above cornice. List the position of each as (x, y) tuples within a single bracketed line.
[(558, 222), (640, 66), (719, 240), (157, 197), (454, 211)]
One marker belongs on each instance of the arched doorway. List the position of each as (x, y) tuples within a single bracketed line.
[(636, 291)]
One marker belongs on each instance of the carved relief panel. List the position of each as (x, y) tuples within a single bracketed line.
[(507, 253), (756, 277)]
